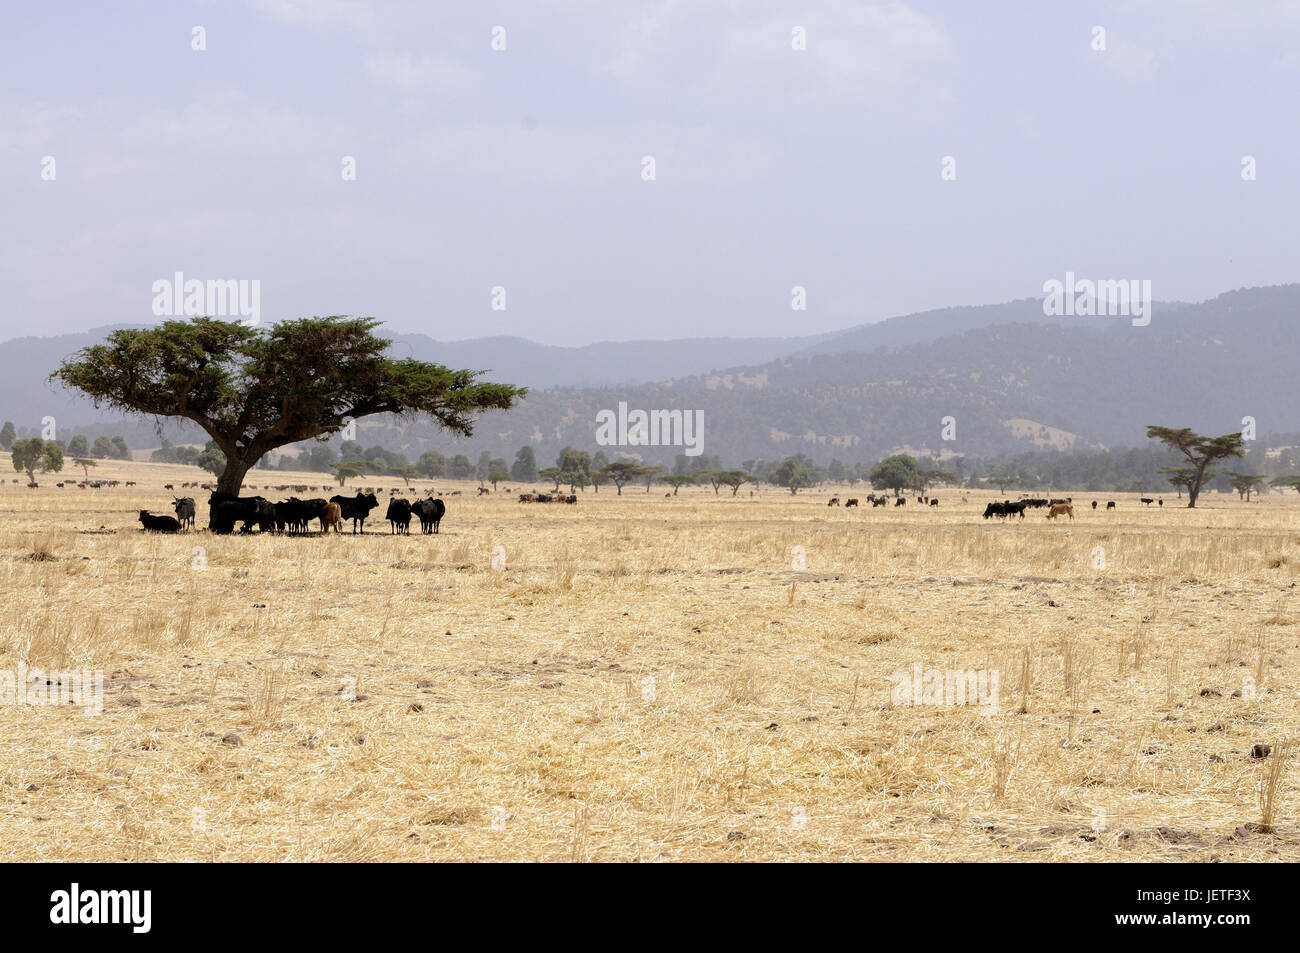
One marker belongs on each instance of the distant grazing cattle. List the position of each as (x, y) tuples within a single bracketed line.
[(482, 490), (851, 501), (1145, 500), (1110, 504), (542, 498), (159, 524), (527, 497), (356, 508), (900, 501), (185, 511), (1060, 509), (835, 501), (167, 486), (331, 515), (399, 516), (1094, 504), (934, 501), (1160, 502), (571, 498), (1035, 502), (880, 501), (430, 513)]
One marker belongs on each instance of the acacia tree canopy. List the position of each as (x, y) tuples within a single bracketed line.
[(1199, 451), (256, 389)]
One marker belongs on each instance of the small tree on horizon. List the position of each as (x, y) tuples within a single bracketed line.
[(85, 463), (1199, 451), (622, 472), (551, 475), (898, 472), (676, 481), (35, 454), (524, 469), (734, 479), (1000, 477), (348, 470), (1245, 483), (1180, 478), (793, 474), (1283, 482), (211, 458)]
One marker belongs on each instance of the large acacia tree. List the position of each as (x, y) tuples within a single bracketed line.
[(1199, 451), (256, 389)]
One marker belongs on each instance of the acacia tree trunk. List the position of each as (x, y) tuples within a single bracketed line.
[(232, 477), (1194, 490)]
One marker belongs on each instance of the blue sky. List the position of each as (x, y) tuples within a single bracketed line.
[(522, 168)]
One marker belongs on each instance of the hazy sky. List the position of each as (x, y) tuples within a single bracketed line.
[(522, 168)]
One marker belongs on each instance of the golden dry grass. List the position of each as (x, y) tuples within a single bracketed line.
[(651, 679)]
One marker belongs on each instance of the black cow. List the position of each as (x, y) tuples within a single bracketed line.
[(293, 515), (1110, 504), (430, 513), (159, 524), (356, 508), (225, 510), (315, 511), (1146, 499), (934, 501), (571, 498), (1094, 504), (399, 516), (1005, 508), (900, 501), (185, 511)]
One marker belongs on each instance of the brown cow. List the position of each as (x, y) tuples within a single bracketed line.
[(1061, 509), (332, 515)]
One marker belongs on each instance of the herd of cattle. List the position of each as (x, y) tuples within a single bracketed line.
[(294, 516), (883, 500)]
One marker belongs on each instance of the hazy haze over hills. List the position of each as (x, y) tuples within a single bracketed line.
[(1011, 377)]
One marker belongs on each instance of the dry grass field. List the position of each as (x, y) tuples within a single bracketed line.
[(651, 679)]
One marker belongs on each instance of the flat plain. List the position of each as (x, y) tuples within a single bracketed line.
[(650, 678)]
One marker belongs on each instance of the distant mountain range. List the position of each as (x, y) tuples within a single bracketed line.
[(1008, 376)]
